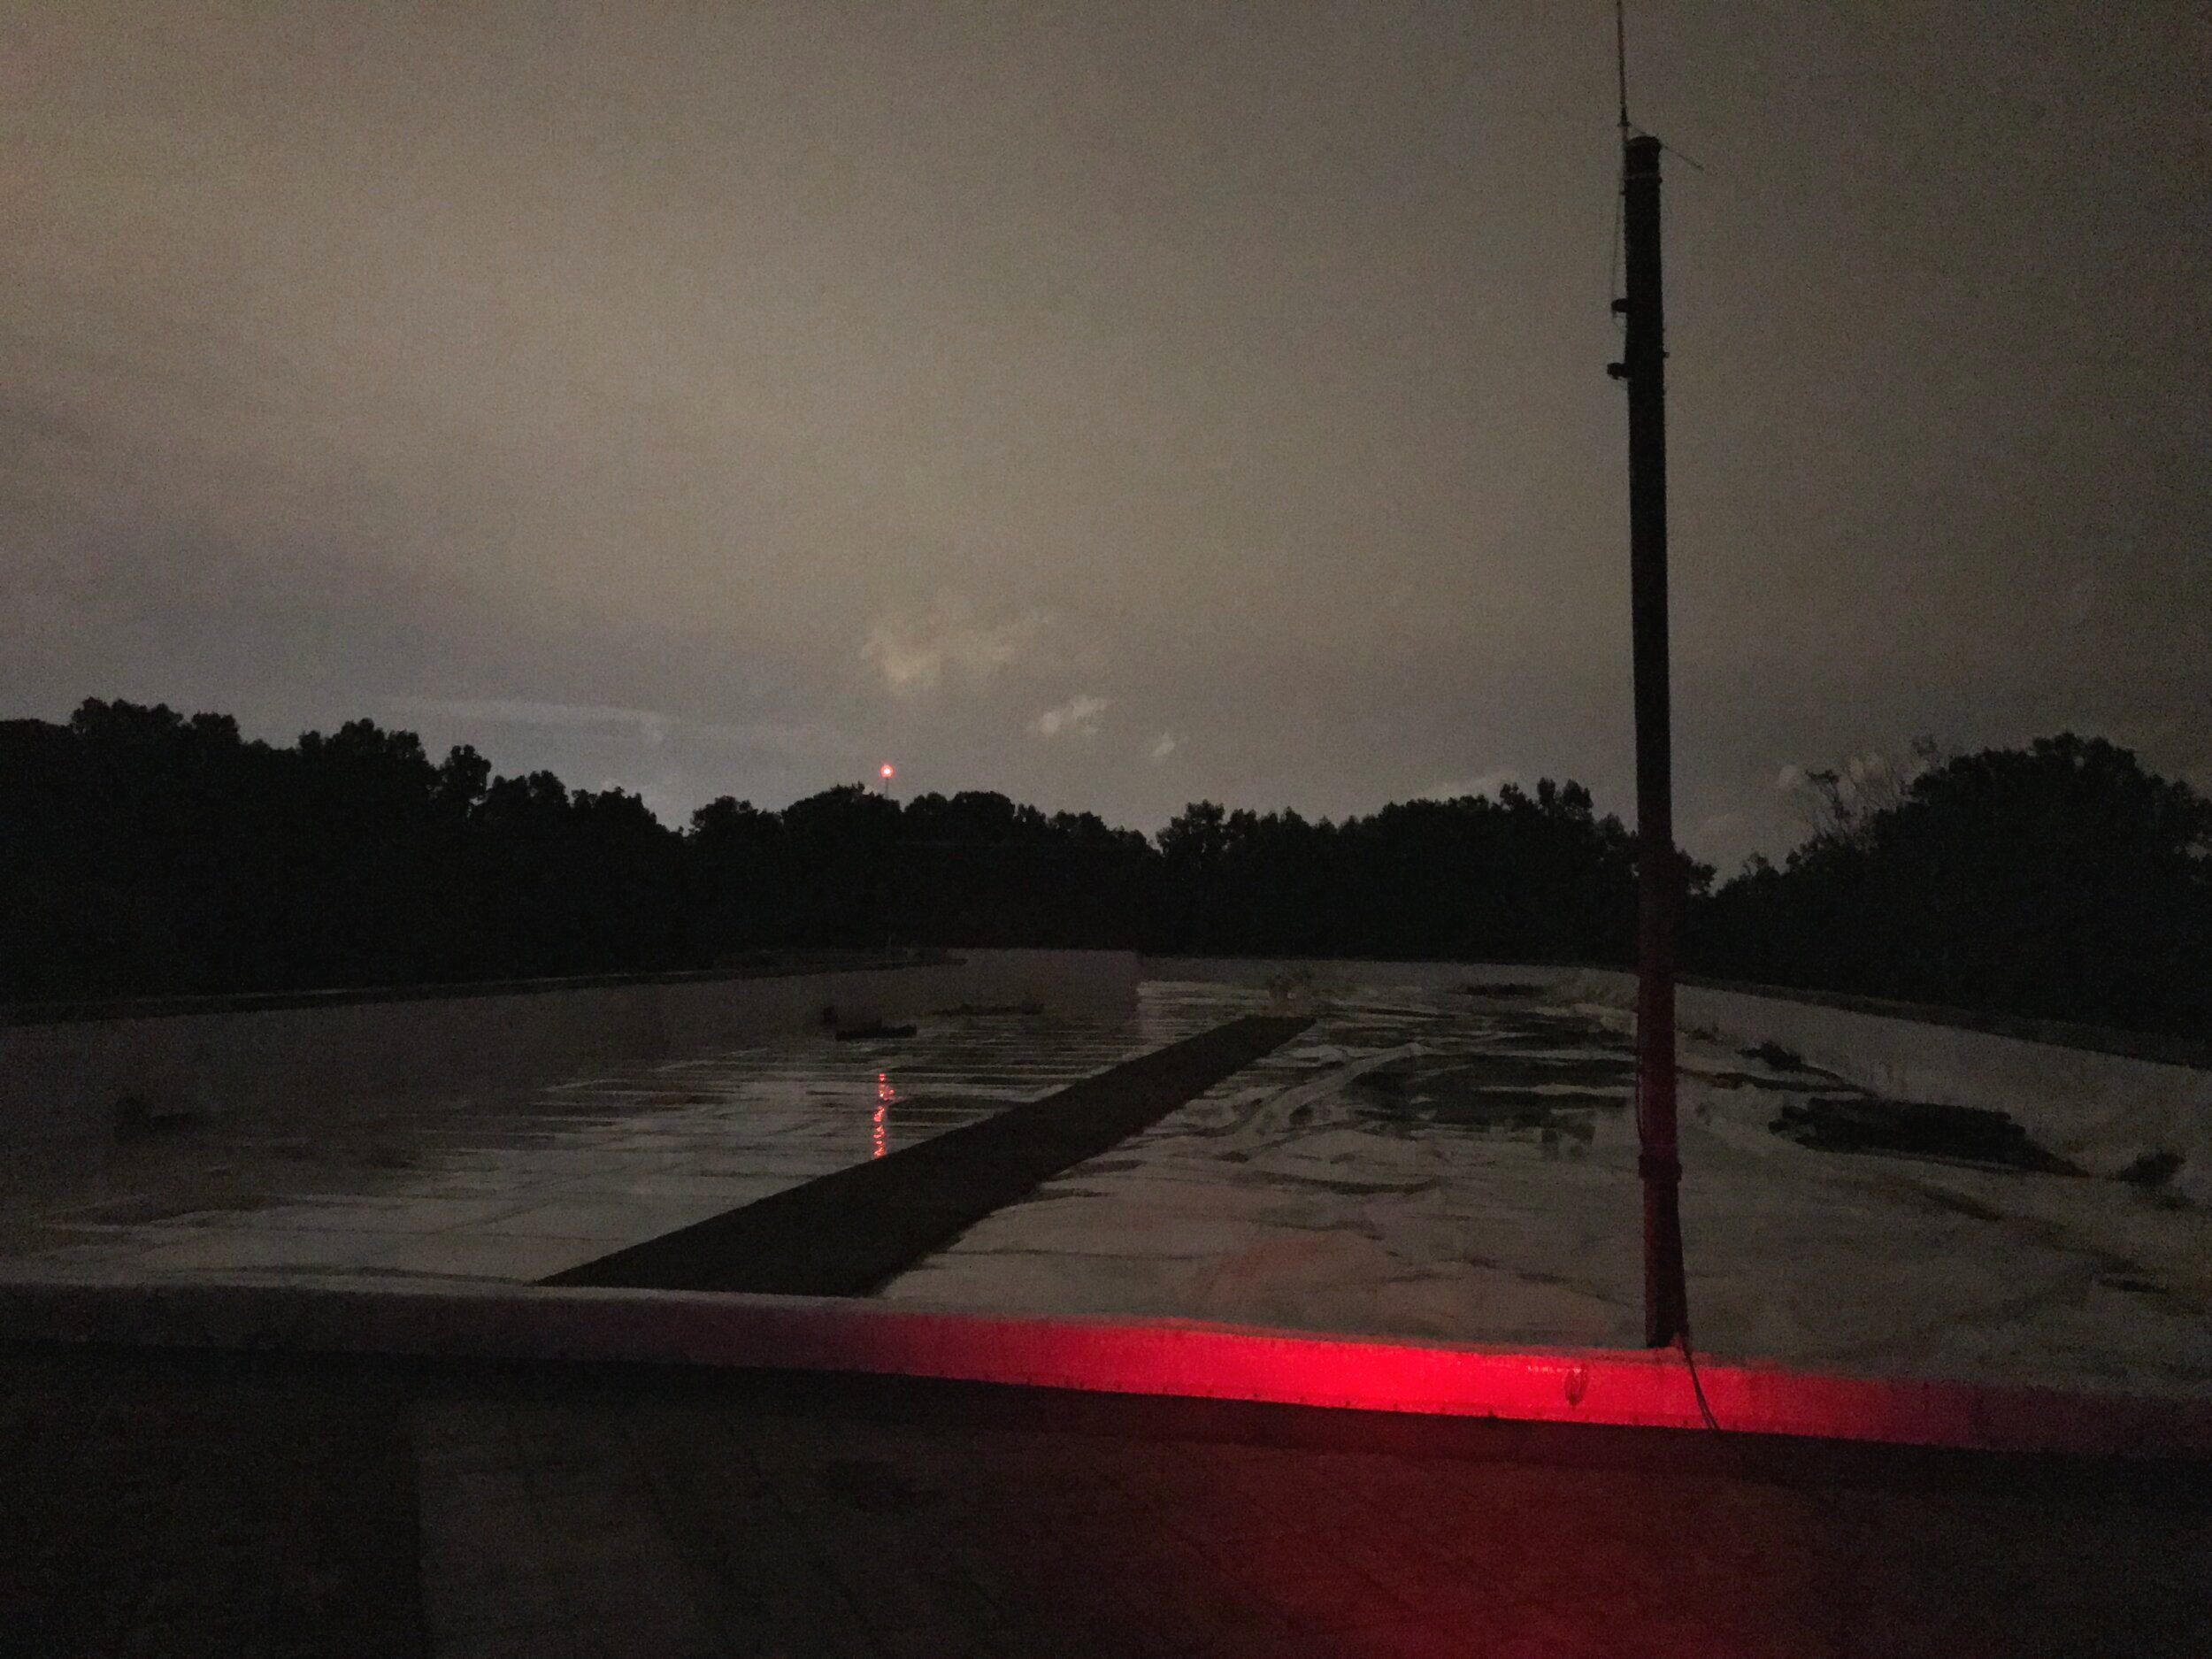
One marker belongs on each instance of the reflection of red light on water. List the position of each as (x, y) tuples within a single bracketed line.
[(884, 1095)]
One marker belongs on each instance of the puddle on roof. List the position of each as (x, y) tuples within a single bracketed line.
[(1915, 1129), (1513, 1094)]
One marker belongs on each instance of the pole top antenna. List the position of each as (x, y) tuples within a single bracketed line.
[(1620, 64), (1620, 59)]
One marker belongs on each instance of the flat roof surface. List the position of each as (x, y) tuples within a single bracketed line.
[(1416, 1163), (1432, 1164), (516, 1191), (233, 1505)]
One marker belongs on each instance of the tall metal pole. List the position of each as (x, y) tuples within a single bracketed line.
[(1666, 1301)]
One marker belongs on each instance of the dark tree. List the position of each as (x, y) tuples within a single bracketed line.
[(144, 852), (1519, 879), (2061, 881)]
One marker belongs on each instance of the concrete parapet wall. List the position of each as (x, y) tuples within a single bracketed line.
[(1141, 1357), (1339, 972), (2102, 1111), (1081, 984), (64, 1083)]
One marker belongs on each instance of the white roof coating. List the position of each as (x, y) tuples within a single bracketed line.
[(1422, 1161)]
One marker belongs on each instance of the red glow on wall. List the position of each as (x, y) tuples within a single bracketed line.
[(1125, 1356)]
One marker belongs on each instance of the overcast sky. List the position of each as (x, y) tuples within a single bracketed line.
[(1114, 405)]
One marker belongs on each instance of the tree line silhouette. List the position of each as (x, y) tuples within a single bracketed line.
[(144, 852), (2060, 881)]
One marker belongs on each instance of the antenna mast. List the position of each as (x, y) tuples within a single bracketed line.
[(1659, 866), (1620, 58)]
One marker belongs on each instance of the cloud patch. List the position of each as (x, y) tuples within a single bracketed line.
[(1077, 716), (777, 735), (915, 653), (1164, 745)]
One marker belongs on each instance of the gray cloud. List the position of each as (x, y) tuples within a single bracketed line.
[(1077, 716), (915, 651), (660, 363)]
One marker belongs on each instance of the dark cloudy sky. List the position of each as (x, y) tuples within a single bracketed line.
[(1111, 403)]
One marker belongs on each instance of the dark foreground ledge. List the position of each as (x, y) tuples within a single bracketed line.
[(250, 1505)]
